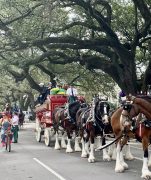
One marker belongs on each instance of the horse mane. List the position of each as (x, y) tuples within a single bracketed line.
[(144, 104), (74, 104), (145, 97), (136, 110), (139, 109)]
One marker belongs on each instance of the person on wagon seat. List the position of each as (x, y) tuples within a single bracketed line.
[(72, 97), (41, 97), (49, 87), (72, 94)]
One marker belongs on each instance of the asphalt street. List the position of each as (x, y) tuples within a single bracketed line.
[(32, 160)]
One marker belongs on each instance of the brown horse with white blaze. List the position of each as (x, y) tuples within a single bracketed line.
[(121, 122)]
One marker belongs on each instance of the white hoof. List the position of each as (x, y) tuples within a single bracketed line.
[(125, 165), (57, 147), (146, 174), (69, 150), (78, 149), (106, 158), (119, 169), (129, 157), (84, 155), (91, 159), (63, 146)]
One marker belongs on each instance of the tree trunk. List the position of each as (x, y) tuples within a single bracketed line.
[(124, 74)]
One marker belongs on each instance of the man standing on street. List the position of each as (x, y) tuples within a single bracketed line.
[(15, 121)]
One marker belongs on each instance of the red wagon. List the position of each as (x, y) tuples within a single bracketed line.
[(44, 117)]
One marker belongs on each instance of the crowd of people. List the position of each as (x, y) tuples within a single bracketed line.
[(9, 118)]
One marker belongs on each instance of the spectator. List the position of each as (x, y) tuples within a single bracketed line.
[(15, 108), (15, 128), (5, 123)]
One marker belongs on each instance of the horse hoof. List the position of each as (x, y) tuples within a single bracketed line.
[(91, 160), (125, 166), (57, 148), (78, 150), (69, 150), (84, 155), (146, 175), (64, 146), (107, 159), (113, 159), (129, 158), (119, 169)]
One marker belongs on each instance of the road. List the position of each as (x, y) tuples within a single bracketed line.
[(30, 160)]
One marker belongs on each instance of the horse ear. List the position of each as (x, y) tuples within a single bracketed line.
[(130, 97)]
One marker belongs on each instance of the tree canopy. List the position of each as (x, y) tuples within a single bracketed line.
[(106, 37)]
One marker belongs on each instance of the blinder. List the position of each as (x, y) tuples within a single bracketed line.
[(127, 107)]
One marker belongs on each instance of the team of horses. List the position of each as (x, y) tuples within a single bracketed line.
[(90, 121)]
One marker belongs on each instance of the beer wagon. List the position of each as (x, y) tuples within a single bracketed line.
[(44, 117)]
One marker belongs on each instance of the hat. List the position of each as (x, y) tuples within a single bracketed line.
[(41, 84), (49, 83)]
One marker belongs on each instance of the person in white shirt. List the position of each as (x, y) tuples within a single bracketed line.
[(15, 121), (72, 93)]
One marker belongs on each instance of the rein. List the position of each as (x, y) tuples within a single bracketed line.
[(98, 117), (107, 145)]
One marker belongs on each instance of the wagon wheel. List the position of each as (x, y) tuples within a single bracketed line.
[(38, 131), (47, 137)]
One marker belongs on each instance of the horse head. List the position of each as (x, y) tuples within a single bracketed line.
[(102, 111), (126, 117), (129, 111)]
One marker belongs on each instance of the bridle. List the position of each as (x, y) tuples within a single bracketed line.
[(105, 112), (128, 107)]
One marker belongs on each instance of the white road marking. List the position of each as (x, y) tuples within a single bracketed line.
[(49, 169), (138, 149), (138, 158)]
